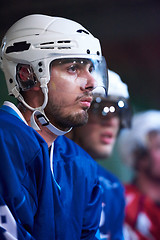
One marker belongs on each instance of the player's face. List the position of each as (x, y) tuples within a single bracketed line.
[(98, 136), (70, 93), (153, 166)]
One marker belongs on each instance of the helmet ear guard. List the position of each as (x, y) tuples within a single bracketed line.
[(25, 77)]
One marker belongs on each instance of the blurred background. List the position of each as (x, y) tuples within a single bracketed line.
[(129, 32)]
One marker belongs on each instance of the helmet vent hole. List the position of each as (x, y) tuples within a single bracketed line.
[(63, 46), (88, 51), (64, 41), (18, 47), (82, 31), (11, 80), (46, 43), (98, 53)]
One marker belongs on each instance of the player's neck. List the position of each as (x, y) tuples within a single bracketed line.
[(47, 135)]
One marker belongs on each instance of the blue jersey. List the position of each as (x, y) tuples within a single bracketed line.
[(26, 186), (113, 205), (79, 201), (36, 204)]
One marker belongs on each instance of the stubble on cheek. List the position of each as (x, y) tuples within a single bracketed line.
[(64, 109), (75, 119), (65, 116)]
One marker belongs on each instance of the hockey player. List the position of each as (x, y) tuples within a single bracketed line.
[(106, 117), (51, 66), (142, 154)]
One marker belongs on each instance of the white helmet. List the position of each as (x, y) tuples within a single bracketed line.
[(135, 138), (116, 87), (118, 94), (36, 40)]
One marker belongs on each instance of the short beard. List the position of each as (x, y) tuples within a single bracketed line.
[(72, 121), (63, 122)]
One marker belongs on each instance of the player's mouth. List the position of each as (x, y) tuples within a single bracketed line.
[(86, 101), (107, 138)]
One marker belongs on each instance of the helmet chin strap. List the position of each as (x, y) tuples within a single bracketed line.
[(39, 113), (45, 122)]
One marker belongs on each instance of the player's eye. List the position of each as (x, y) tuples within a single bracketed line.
[(72, 68), (91, 68)]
